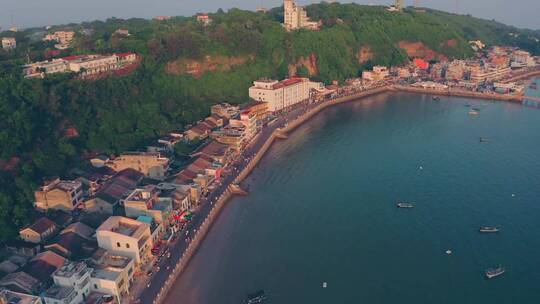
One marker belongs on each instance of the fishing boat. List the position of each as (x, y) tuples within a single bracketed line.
[(495, 272), (256, 297), (486, 229), (473, 112), (436, 98), (405, 205), (483, 140)]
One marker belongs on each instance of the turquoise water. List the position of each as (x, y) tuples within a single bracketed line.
[(322, 209)]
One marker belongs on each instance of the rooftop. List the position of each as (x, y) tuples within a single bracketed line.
[(41, 225), (58, 292), (124, 226), (11, 297), (70, 268)]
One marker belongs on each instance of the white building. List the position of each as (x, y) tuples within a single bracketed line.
[(8, 297), (522, 59), (9, 43), (295, 17), (112, 274), (379, 73), (126, 237), (75, 275), (281, 94)]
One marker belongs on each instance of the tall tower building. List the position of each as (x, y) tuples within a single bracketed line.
[(399, 5), (295, 17)]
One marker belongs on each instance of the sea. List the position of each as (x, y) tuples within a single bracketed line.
[(322, 209)]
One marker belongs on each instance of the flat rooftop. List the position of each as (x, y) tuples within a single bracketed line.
[(123, 225)]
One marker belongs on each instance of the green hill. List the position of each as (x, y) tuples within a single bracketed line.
[(186, 68)]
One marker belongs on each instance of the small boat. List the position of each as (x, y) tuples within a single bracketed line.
[(495, 272), (486, 229), (405, 205), (483, 140), (256, 297), (473, 112), (436, 98), (467, 105)]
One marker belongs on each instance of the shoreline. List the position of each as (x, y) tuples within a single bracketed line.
[(281, 133)]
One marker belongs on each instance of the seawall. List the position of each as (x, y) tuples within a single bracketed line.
[(460, 93)]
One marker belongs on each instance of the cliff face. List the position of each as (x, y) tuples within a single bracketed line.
[(419, 50), (197, 68), (309, 62)]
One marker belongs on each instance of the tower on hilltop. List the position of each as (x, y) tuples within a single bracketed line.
[(399, 5), (295, 17)]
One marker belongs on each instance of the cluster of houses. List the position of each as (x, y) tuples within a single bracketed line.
[(99, 230), (9, 43), (86, 65), (63, 39), (491, 66)]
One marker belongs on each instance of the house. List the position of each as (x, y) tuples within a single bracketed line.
[(74, 274), (81, 230), (58, 194), (43, 265), (225, 110), (39, 231), (21, 282), (61, 218), (63, 38), (61, 294), (23, 248), (127, 237), (216, 151), (72, 246), (200, 131), (112, 274), (204, 19), (152, 165), (9, 43), (8, 267), (11, 297), (109, 196), (122, 32), (145, 202)]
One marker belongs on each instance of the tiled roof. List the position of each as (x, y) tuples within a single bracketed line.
[(42, 225)]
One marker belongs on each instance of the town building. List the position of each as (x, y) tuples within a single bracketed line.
[(522, 59), (489, 73), (295, 17), (281, 94), (225, 110), (39, 231), (75, 275), (379, 73), (22, 248), (21, 282), (127, 237), (199, 131), (61, 295), (9, 43), (11, 297), (112, 274), (455, 70), (146, 202), (122, 32), (64, 38), (162, 18), (43, 265), (85, 65), (204, 19), (58, 194), (152, 165), (260, 109)]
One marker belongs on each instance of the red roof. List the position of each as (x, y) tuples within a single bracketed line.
[(71, 58), (125, 54), (287, 82)]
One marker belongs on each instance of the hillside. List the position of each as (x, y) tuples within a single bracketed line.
[(187, 67)]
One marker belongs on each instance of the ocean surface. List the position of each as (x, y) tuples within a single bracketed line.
[(322, 209)]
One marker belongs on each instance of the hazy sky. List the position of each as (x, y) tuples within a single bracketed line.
[(26, 13)]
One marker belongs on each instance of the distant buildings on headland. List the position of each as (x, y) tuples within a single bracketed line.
[(86, 65), (295, 17), (9, 43)]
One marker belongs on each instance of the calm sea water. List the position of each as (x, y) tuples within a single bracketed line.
[(322, 209)]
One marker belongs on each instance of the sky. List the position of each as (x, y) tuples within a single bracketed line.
[(29, 13)]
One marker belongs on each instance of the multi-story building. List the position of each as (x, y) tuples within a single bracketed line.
[(63, 38), (522, 59), (489, 73), (455, 70), (260, 109), (280, 94), (11, 297), (151, 164), (75, 275), (248, 121), (295, 17), (204, 19), (225, 110), (124, 236), (61, 295), (379, 73), (86, 65), (146, 202), (58, 194), (112, 274), (9, 43)]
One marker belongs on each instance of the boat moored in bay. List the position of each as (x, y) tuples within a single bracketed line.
[(405, 205), (495, 272), (486, 229), (256, 297)]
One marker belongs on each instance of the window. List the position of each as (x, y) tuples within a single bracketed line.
[(118, 244), (127, 245), (95, 286)]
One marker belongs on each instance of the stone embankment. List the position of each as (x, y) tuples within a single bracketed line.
[(526, 75), (460, 93)]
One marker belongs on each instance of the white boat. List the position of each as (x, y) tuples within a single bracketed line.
[(486, 229), (473, 112), (405, 205), (495, 272)]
